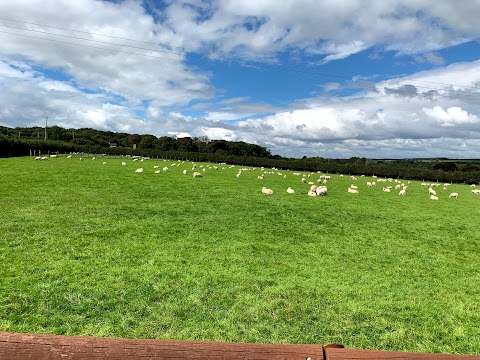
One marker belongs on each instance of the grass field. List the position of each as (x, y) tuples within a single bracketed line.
[(92, 249)]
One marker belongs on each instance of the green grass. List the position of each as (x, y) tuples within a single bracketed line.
[(92, 249)]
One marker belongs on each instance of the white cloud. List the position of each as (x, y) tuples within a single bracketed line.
[(452, 116)]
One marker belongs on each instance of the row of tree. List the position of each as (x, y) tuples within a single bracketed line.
[(240, 153), (95, 139)]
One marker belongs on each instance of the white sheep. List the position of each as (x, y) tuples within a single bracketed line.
[(94, 158), (267, 191), (352, 191), (158, 171), (304, 180), (453, 195), (184, 172), (124, 163), (476, 192), (104, 163), (386, 189), (402, 192), (69, 156), (38, 158), (433, 197), (432, 192), (353, 186), (139, 170), (197, 174), (53, 156), (313, 188), (165, 169), (321, 191), (290, 190)]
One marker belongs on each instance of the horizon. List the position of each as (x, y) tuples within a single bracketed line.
[(301, 78)]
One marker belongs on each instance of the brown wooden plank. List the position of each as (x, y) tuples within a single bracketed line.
[(352, 354), (15, 346)]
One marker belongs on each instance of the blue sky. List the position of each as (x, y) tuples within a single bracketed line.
[(398, 78)]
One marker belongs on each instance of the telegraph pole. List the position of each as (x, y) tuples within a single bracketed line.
[(46, 124)]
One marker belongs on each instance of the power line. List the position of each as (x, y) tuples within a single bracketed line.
[(186, 49), (92, 40), (180, 60), (89, 46)]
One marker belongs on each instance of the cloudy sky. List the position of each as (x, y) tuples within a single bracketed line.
[(390, 78)]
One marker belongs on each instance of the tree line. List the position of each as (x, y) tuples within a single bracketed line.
[(24, 141)]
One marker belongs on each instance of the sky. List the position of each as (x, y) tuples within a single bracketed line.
[(335, 79)]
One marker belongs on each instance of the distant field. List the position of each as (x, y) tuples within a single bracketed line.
[(92, 249)]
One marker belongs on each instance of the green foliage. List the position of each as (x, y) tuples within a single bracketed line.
[(92, 249)]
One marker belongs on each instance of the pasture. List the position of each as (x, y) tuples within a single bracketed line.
[(92, 249)]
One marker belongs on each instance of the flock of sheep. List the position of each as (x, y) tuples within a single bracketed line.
[(316, 189)]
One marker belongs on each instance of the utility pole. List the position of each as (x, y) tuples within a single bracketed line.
[(46, 124), (73, 132)]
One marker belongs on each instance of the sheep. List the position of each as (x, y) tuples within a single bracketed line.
[(473, 185), (81, 158), (304, 180), (53, 156), (94, 158), (352, 191), (139, 170), (260, 177), (267, 191), (311, 193), (353, 186), (165, 169), (433, 197), (69, 156), (38, 158), (197, 174), (290, 190), (44, 158), (313, 188), (476, 192), (158, 171), (386, 189), (124, 163), (156, 167), (184, 172), (104, 163), (311, 183), (453, 195), (432, 192), (238, 175), (321, 191), (402, 192)]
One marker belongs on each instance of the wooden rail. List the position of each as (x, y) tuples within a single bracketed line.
[(15, 346)]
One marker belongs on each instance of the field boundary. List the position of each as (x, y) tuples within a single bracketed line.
[(16, 346)]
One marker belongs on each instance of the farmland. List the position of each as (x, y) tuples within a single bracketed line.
[(92, 249)]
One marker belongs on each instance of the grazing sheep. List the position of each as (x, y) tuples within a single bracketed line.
[(352, 191), (453, 195), (197, 174), (53, 156), (267, 191), (290, 191), (158, 171), (386, 189), (69, 156), (432, 192), (156, 167), (473, 185), (313, 188), (124, 163), (433, 197), (184, 172), (94, 158), (165, 169), (304, 180), (321, 191), (311, 183), (311, 193), (44, 158), (353, 186), (38, 158), (104, 163), (238, 175), (402, 192), (81, 158), (260, 177), (139, 170)]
